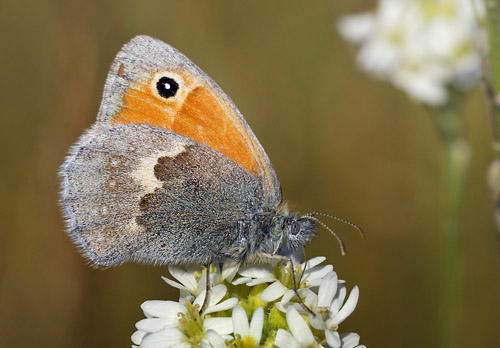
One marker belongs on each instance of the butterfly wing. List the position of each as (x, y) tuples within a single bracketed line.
[(139, 89), (137, 192), (169, 169)]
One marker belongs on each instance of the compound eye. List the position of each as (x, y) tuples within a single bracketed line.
[(167, 87), (295, 228)]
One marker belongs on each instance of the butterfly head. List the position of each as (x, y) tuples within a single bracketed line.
[(296, 231), (281, 228)]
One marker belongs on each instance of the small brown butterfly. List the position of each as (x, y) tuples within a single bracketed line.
[(170, 172)]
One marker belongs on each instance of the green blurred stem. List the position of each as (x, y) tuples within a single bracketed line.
[(492, 77), (493, 28), (454, 163), (492, 66)]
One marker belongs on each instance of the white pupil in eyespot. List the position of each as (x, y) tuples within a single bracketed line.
[(167, 87)]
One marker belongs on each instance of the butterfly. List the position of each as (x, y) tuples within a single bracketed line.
[(171, 173)]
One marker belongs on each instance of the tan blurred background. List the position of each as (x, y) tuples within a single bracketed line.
[(340, 142)]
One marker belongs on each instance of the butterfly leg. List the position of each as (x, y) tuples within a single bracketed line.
[(305, 264), (282, 258), (207, 288), (220, 256)]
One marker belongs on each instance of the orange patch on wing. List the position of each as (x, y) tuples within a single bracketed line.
[(199, 117)]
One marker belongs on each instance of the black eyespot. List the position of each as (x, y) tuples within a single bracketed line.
[(167, 87), (295, 227)]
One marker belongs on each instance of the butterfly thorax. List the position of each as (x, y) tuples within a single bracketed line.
[(267, 232)]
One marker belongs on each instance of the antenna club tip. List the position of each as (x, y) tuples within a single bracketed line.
[(342, 248), (362, 233)]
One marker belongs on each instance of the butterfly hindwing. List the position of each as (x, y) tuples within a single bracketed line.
[(154, 196)]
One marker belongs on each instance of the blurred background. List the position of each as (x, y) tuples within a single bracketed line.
[(340, 141)]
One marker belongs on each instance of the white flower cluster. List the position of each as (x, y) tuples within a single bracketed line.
[(423, 47), (262, 292)]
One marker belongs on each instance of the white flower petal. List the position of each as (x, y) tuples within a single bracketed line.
[(287, 296), (256, 324), (316, 321), (186, 278), (168, 338), (313, 283), (273, 292), (263, 280), (241, 280), (358, 27), (348, 307), (163, 309), (223, 306), (215, 279), (174, 284), (425, 86), (281, 307), (310, 299), (257, 271), (338, 300), (333, 339), (378, 58), (205, 344), (284, 339), (349, 340), (200, 299), (185, 295), (299, 328), (327, 290), (229, 271), (290, 295), (156, 324), (216, 294), (137, 337), (311, 263), (240, 322), (223, 326), (215, 340), (316, 273), (202, 283)]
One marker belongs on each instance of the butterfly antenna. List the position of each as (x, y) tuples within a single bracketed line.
[(339, 219), (341, 242)]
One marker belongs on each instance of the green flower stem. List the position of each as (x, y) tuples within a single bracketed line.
[(492, 73), (493, 29), (492, 68), (454, 162)]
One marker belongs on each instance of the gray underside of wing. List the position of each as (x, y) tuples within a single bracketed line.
[(136, 192)]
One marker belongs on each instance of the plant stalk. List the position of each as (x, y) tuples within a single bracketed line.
[(455, 154), (491, 68)]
